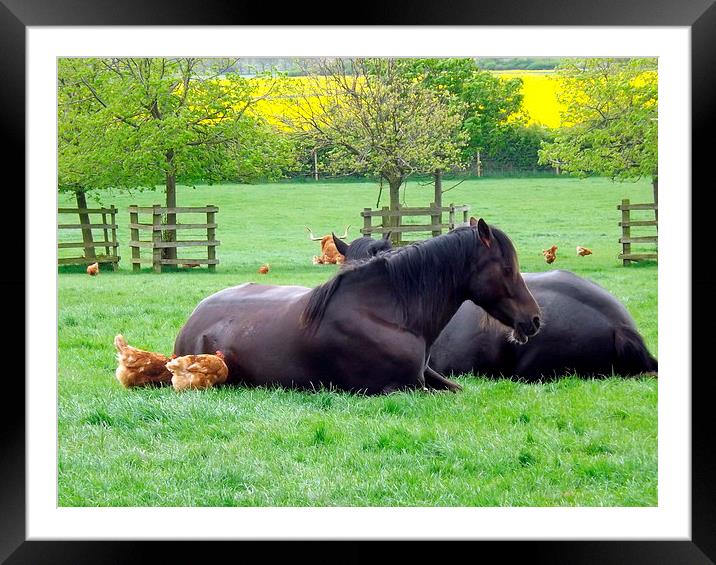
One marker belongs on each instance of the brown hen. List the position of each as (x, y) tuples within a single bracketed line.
[(198, 371), (140, 368), (550, 254)]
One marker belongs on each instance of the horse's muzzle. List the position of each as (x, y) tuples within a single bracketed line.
[(530, 328)]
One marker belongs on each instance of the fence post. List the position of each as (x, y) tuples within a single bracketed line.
[(86, 222), (367, 222), (465, 216), (134, 235), (435, 219), (156, 238), (105, 233), (115, 250), (385, 221), (626, 232), (451, 217), (210, 236)]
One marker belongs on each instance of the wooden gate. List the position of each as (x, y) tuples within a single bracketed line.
[(627, 239), (88, 245), (433, 224), (156, 244)]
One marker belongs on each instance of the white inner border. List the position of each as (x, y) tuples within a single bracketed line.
[(670, 520)]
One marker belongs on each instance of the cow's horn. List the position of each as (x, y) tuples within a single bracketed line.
[(311, 235), (345, 235)]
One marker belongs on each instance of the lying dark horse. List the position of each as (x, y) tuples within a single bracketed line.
[(369, 328), (585, 330), (362, 247)]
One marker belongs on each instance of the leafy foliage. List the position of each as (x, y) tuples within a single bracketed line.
[(517, 148), (610, 119), (371, 118), (489, 107), (134, 123)]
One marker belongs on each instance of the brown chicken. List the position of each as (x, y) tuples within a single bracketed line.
[(263, 269), (140, 368), (198, 371), (550, 254), (582, 251), (93, 269)]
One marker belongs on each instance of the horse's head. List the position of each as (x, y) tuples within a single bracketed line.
[(497, 286), (380, 245), (363, 247)]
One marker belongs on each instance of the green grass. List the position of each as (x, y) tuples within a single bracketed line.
[(498, 443)]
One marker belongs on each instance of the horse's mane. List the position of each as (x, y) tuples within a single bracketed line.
[(418, 274)]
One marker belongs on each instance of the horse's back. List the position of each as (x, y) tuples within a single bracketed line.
[(586, 330), (253, 325), (251, 293), (578, 294)]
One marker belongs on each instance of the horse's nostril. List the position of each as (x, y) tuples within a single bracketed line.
[(536, 322)]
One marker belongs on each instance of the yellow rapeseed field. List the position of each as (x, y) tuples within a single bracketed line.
[(539, 91)]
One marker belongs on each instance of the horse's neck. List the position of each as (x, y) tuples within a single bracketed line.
[(441, 304), (448, 306)]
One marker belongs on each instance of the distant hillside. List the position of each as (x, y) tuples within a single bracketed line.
[(517, 63), (290, 66)]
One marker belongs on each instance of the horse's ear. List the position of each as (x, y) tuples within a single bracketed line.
[(483, 230), (473, 221), (341, 245), (387, 235)]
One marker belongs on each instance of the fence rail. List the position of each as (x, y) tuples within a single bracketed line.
[(627, 239), (434, 213), (159, 246), (88, 245)]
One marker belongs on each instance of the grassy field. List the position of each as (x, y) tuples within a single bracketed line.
[(572, 442)]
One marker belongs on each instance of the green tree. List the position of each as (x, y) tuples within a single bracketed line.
[(610, 117), (485, 101), (370, 117), (137, 123)]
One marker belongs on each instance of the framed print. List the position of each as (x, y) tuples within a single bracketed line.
[(61, 501)]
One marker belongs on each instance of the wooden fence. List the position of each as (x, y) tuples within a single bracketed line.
[(88, 245), (627, 239), (157, 244), (435, 227)]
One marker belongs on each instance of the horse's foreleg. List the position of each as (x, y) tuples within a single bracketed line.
[(436, 381)]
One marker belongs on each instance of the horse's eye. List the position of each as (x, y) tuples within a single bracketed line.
[(508, 272)]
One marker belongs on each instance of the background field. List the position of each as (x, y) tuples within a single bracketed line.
[(572, 442), (539, 90)]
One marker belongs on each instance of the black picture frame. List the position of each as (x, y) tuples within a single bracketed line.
[(699, 15)]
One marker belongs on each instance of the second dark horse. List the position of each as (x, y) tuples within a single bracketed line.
[(370, 328), (585, 331), (362, 247)]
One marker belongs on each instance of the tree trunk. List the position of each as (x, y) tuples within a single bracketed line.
[(81, 199), (171, 190), (438, 175), (655, 187), (476, 164), (394, 206)]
